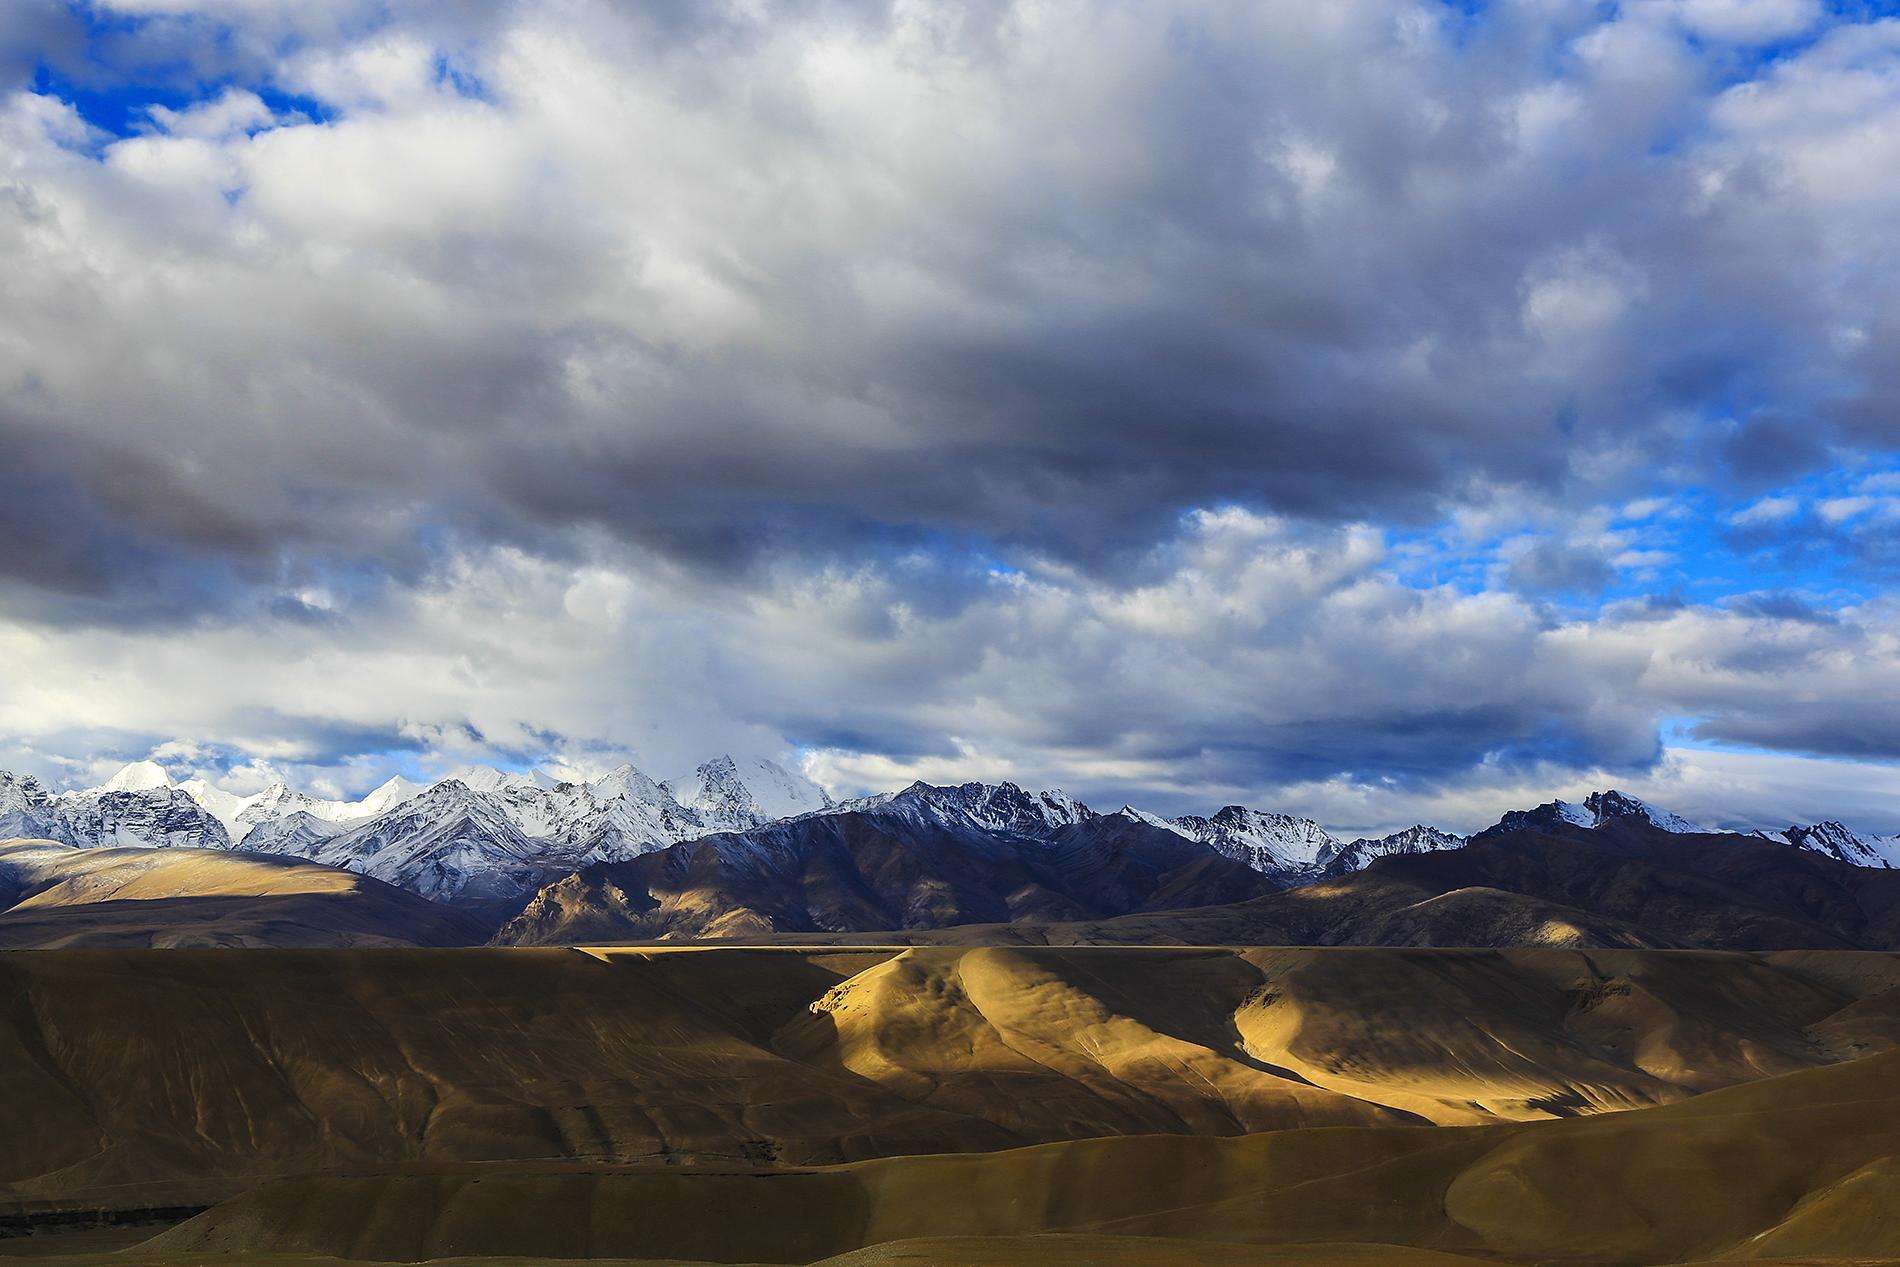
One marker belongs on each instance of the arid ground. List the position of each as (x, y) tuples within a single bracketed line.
[(884, 1105)]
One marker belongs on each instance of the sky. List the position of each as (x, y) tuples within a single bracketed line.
[(1379, 410)]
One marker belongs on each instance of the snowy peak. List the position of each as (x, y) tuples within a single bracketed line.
[(733, 794), (1417, 838), (628, 780), (277, 800), (394, 791), (296, 834), (227, 807), (1274, 844), (987, 807), (1598, 809), (21, 792), (154, 816), (139, 776), (27, 810), (1143, 816), (486, 778), (1605, 806), (448, 843), (1837, 840)]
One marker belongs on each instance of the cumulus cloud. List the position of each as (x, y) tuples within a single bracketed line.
[(1188, 399), (1044, 275), (1256, 661)]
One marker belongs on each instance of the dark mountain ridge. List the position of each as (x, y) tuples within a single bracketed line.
[(902, 864)]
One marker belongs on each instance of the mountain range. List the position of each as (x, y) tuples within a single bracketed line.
[(746, 847)]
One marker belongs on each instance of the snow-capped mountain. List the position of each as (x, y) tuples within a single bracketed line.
[(1274, 844), (491, 836), (155, 816), (1597, 809), (450, 843), (1613, 804), (392, 792), (241, 814), (1838, 841), (1417, 838), (296, 835), (278, 801), (734, 795), (130, 809), (26, 809), (139, 776), (224, 806), (984, 807), (486, 778)]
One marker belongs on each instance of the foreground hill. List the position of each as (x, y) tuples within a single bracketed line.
[(56, 895), (918, 860), (137, 1080), (1800, 1166)]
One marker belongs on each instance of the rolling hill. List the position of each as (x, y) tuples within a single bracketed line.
[(140, 1079), (55, 895)]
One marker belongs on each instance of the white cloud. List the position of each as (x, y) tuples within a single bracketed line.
[(1748, 21), (1769, 510), (234, 112)]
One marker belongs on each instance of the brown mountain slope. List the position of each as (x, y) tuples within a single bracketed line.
[(137, 1079), (1621, 886), (1800, 1165), (865, 871), (54, 895)]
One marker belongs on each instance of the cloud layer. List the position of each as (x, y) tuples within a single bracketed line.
[(1197, 400)]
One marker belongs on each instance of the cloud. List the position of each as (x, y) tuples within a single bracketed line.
[(1748, 21), (1197, 401), (1254, 655), (1041, 276), (1769, 510)]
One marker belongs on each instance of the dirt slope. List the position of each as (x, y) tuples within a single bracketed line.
[(138, 1079), (54, 895), (1800, 1164)]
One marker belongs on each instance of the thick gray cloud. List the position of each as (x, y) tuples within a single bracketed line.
[(1202, 400), (1259, 661), (1040, 276)]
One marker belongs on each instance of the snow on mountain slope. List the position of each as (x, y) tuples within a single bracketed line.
[(278, 801), (486, 778), (28, 810), (450, 843), (1273, 844), (139, 776), (628, 826), (1613, 804), (224, 806), (153, 817), (393, 792), (993, 807), (1838, 841), (1597, 809), (620, 815), (627, 780), (1417, 838), (296, 835), (1143, 816), (733, 794)]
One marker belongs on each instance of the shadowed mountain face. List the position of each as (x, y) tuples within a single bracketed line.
[(54, 895), (887, 867), (1623, 884), (137, 1079)]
